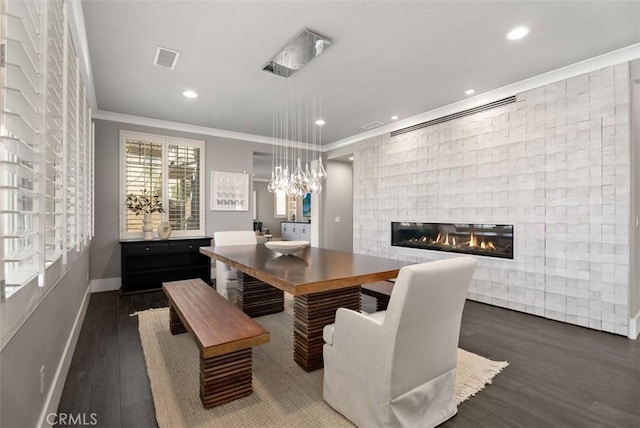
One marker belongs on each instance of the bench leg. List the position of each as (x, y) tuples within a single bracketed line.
[(257, 298), (311, 312), (381, 304), (175, 324), (225, 378)]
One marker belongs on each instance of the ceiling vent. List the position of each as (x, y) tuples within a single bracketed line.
[(166, 58), (372, 125)]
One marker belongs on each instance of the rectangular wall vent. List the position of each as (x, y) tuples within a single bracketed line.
[(457, 115), (166, 58)]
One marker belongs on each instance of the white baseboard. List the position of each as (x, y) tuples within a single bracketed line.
[(57, 385), (634, 327), (105, 284)]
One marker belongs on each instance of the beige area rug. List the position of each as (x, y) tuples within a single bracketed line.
[(284, 395)]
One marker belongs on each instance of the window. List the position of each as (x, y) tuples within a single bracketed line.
[(169, 167), (45, 148)]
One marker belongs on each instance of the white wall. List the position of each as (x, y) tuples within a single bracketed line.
[(555, 163), (46, 338), (338, 204)]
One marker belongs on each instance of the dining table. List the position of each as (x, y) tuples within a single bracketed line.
[(320, 280)]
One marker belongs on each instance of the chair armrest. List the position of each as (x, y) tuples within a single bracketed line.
[(355, 329)]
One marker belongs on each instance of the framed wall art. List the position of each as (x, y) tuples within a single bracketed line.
[(229, 191)]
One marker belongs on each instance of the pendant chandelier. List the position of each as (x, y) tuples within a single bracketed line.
[(297, 167)]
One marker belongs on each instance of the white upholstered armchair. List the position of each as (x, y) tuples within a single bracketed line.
[(397, 368), (226, 277)]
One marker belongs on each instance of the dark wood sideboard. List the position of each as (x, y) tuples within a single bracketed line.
[(146, 265)]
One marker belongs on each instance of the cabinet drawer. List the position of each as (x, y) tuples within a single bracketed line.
[(136, 250), (184, 247)]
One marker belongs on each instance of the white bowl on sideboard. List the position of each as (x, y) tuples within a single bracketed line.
[(286, 247)]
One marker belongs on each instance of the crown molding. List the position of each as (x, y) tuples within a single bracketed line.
[(625, 54)]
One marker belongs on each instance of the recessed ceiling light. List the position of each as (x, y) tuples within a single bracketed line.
[(350, 158), (518, 33), (190, 94), (469, 91), (394, 117), (320, 122)]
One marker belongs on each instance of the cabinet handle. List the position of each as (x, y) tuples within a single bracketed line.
[(146, 248), (190, 247)]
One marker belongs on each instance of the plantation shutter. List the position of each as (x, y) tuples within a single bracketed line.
[(170, 168), (80, 168), (70, 143), (143, 172), (21, 141), (53, 140), (184, 187), (88, 172)]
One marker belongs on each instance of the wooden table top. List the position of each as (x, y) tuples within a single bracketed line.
[(311, 270)]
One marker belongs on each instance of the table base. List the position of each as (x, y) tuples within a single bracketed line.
[(256, 298), (311, 312)]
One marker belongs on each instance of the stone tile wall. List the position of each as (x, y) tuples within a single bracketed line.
[(556, 164)]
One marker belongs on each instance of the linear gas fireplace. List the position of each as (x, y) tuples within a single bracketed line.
[(493, 240)]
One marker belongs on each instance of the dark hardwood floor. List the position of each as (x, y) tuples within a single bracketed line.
[(559, 375)]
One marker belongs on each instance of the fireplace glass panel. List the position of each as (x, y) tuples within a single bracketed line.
[(493, 240)]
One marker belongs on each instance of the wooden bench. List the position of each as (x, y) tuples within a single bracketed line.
[(224, 334), (381, 290)]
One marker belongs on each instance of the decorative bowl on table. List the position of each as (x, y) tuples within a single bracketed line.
[(286, 247)]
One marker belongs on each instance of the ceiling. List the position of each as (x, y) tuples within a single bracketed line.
[(387, 57)]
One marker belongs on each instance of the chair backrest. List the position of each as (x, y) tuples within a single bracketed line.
[(235, 237), (422, 323)]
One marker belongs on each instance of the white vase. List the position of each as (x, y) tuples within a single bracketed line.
[(164, 230), (147, 227)]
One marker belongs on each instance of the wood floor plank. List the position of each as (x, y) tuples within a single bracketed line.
[(139, 414)]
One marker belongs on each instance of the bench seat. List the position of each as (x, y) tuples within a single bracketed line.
[(381, 290), (224, 335)]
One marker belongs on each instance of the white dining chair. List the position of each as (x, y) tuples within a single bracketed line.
[(226, 278), (397, 368)]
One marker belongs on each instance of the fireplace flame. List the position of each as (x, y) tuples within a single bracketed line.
[(446, 240)]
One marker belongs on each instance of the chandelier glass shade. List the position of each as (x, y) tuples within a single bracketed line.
[(297, 166)]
